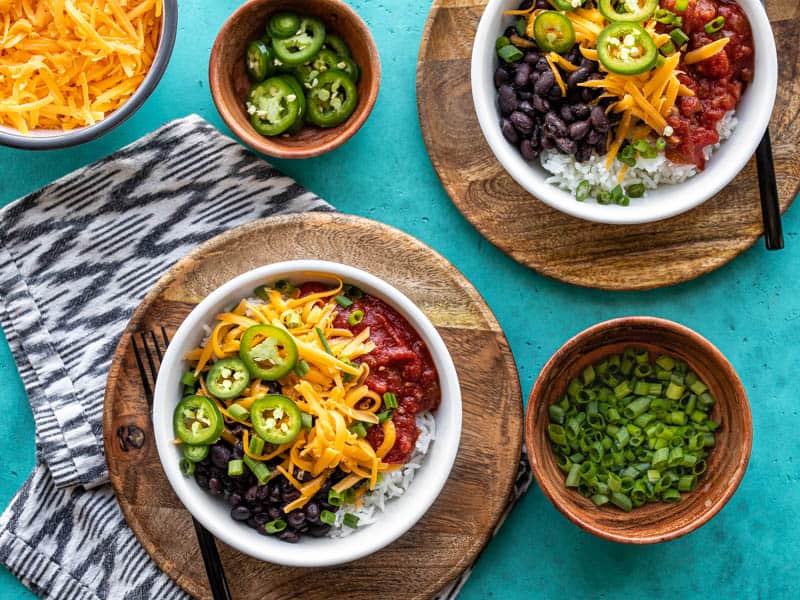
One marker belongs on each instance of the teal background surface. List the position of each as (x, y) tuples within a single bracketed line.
[(750, 309)]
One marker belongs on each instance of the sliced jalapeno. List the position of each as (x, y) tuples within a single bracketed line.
[(626, 48), (269, 352), (554, 32), (303, 45), (332, 100), (197, 421), (195, 453), (337, 44), (227, 378), (273, 106), (567, 4), (299, 94), (276, 419), (258, 60), (283, 25), (634, 11)]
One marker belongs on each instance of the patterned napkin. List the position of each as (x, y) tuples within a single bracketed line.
[(76, 257)]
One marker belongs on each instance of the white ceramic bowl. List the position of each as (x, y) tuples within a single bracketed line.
[(401, 513), (753, 112)]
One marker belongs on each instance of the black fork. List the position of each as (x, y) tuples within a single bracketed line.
[(149, 348)]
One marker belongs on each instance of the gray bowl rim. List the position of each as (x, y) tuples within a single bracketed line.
[(169, 29)]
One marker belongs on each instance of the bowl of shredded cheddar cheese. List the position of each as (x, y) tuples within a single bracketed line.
[(72, 70)]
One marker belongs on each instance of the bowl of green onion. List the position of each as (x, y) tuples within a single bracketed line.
[(638, 430)]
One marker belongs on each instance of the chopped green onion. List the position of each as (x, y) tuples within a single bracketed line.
[(343, 301), (293, 320), (351, 290), (258, 469), (235, 468), (335, 498), (510, 53), (239, 412), (187, 467), (301, 368), (617, 194), (384, 416), (521, 25), (501, 42), (285, 287), (350, 520), (358, 428), (256, 445), (306, 420), (668, 49), (322, 339), (327, 517), (661, 144), (189, 379), (261, 292), (603, 198), (275, 526), (662, 15), (390, 400), (582, 193), (679, 37), (715, 25), (355, 317), (622, 501)]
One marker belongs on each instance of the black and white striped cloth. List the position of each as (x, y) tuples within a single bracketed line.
[(76, 257)]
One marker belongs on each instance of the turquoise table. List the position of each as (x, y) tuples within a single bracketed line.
[(750, 309)]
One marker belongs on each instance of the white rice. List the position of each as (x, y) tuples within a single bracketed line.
[(392, 484), (567, 173)]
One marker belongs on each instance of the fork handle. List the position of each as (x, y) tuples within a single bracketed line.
[(770, 207), (216, 576)]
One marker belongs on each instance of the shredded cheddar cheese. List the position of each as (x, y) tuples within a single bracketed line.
[(69, 63), (706, 52)]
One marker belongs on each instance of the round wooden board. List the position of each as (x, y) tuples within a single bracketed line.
[(451, 534), (569, 249)]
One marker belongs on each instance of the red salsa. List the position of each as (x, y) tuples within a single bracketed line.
[(400, 364), (718, 82)]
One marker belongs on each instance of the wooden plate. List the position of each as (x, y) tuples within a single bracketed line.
[(451, 534), (563, 247)]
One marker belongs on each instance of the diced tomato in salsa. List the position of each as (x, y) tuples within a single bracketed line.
[(718, 82)]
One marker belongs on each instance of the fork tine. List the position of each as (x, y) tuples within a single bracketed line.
[(166, 337), (149, 354), (148, 391), (157, 347)]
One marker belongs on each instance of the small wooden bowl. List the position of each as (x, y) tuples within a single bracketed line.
[(230, 82), (727, 462)]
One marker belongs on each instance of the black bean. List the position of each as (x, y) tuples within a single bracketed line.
[(566, 145), (220, 456), (234, 499), (593, 137), (583, 154), (240, 513), (565, 112), (547, 143), (237, 453), (263, 492), (501, 76), (522, 74), (574, 56), (526, 107), (289, 536), (542, 66), (521, 122), (236, 428), (578, 130), (589, 65), (581, 111), (312, 511), (543, 4), (587, 94), (274, 513), (296, 519), (523, 95), (599, 119), (577, 77), (507, 99), (602, 147), (545, 82), (251, 494), (509, 132), (531, 57), (261, 518), (319, 531), (555, 93), (291, 495), (528, 151), (540, 103), (215, 486), (554, 125)]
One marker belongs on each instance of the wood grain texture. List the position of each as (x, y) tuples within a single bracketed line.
[(458, 525), (569, 249), (727, 462), (230, 84)]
